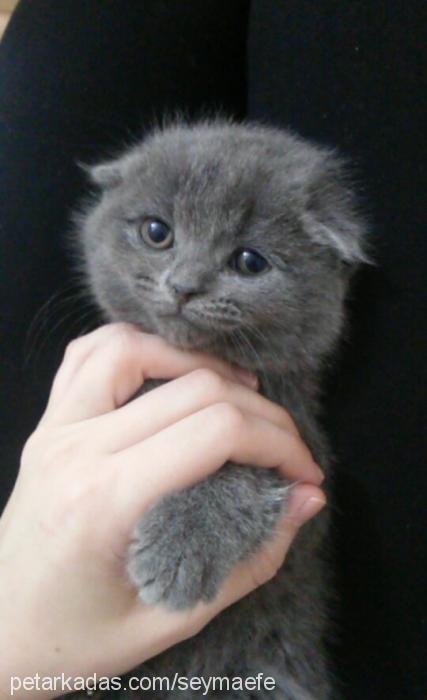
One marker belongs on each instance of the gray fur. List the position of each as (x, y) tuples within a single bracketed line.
[(221, 186)]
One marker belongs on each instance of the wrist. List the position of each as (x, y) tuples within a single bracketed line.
[(22, 656), (26, 670)]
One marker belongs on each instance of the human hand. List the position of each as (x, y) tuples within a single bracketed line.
[(93, 466)]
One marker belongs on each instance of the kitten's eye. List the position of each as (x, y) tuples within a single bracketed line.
[(156, 233), (248, 262)]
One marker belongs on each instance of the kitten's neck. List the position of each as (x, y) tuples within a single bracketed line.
[(295, 387), (299, 394)]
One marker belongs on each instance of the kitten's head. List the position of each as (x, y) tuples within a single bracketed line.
[(237, 239)]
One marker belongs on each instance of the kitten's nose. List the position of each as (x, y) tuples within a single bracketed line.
[(183, 290)]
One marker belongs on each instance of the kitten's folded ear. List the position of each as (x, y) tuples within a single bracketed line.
[(331, 217), (105, 175)]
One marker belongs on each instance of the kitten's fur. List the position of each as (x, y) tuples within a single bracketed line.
[(221, 186)]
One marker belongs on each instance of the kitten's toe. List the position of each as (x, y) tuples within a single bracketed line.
[(171, 570)]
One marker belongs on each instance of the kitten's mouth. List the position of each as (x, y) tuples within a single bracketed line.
[(188, 331), (178, 318), (186, 334), (204, 323)]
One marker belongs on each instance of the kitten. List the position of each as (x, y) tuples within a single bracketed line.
[(239, 240)]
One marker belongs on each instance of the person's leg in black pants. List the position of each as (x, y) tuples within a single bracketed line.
[(352, 75), (77, 79)]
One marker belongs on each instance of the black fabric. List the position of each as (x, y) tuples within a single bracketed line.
[(353, 75), (82, 76)]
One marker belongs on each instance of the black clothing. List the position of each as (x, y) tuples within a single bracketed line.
[(80, 77)]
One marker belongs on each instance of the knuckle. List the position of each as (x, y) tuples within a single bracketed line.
[(293, 441), (266, 567), (60, 451), (119, 333), (298, 445), (120, 344), (46, 447), (73, 347), (79, 506), (32, 446), (99, 338), (290, 423), (79, 492), (285, 417), (230, 421), (209, 383), (154, 342)]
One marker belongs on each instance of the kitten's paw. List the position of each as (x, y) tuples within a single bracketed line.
[(186, 545), (172, 563)]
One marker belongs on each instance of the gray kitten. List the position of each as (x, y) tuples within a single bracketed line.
[(239, 240)]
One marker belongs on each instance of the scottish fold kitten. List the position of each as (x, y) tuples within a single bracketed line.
[(239, 240)]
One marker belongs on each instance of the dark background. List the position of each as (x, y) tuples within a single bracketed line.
[(80, 77)]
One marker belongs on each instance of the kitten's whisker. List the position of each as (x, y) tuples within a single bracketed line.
[(77, 312), (258, 360), (235, 340), (92, 325), (44, 315), (44, 309)]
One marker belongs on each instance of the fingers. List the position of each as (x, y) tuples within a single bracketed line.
[(193, 448), (306, 502), (103, 369), (174, 401)]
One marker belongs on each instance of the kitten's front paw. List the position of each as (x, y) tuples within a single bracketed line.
[(172, 560), (185, 546)]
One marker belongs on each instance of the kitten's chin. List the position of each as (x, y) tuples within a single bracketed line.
[(185, 335), (177, 331), (174, 329)]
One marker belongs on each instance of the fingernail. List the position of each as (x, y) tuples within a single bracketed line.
[(306, 509), (247, 377)]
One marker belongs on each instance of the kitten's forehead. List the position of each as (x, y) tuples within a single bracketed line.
[(222, 181), (212, 183), (203, 161), (214, 192)]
